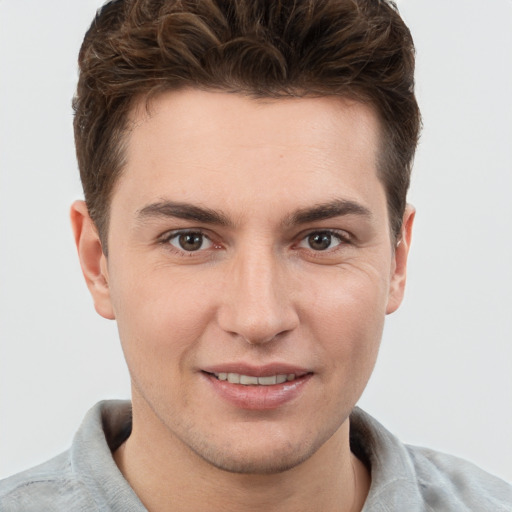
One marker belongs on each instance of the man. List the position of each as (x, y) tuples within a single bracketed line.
[(245, 168)]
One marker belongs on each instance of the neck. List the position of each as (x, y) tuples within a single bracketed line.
[(166, 475)]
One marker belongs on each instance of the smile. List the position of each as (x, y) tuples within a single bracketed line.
[(250, 380), (262, 388)]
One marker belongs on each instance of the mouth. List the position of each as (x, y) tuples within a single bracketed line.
[(252, 380), (268, 389), (262, 387)]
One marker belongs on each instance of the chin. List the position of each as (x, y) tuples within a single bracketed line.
[(260, 451), (272, 462)]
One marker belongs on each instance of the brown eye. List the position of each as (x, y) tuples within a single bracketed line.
[(322, 240), (190, 241)]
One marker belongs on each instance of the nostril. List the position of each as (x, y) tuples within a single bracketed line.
[(259, 341)]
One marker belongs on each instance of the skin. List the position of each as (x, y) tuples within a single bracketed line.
[(260, 290)]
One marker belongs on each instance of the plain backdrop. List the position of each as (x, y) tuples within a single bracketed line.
[(444, 377)]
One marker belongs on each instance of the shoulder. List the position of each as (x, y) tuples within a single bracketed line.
[(443, 479), (49, 486), (412, 479), (84, 478)]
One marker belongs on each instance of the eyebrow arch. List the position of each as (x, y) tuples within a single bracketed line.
[(164, 209), (329, 210), (323, 211)]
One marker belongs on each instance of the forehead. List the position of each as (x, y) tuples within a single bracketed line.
[(223, 117), (210, 146)]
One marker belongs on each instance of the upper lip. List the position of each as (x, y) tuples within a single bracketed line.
[(266, 370)]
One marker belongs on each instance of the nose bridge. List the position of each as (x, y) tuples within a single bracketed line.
[(257, 305)]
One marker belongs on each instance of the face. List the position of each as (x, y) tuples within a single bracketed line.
[(250, 269)]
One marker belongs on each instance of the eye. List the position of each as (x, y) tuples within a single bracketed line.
[(190, 241), (322, 240)]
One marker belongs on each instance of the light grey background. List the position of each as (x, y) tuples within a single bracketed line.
[(444, 378)]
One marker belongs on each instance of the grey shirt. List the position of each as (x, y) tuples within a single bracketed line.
[(404, 478)]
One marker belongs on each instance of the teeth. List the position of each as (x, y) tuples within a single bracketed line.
[(267, 381), (234, 378), (249, 380)]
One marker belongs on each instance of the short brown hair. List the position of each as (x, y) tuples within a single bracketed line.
[(359, 49)]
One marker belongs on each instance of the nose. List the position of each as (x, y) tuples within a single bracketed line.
[(257, 303)]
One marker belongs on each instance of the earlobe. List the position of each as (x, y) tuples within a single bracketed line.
[(399, 271), (92, 259)]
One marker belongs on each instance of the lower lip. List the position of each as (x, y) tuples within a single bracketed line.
[(258, 398)]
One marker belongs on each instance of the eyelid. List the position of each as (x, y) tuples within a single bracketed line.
[(165, 239), (344, 237), (341, 234)]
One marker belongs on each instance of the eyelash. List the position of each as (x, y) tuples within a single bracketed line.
[(343, 238), (168, 237)]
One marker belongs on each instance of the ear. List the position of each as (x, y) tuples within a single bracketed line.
[(399, 269), (92, 259)]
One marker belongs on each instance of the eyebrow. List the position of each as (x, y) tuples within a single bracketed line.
[(184, 211), (329, 210), (318, 212)]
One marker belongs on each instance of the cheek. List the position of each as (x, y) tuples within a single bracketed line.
[(348, 321), (159, 317)]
